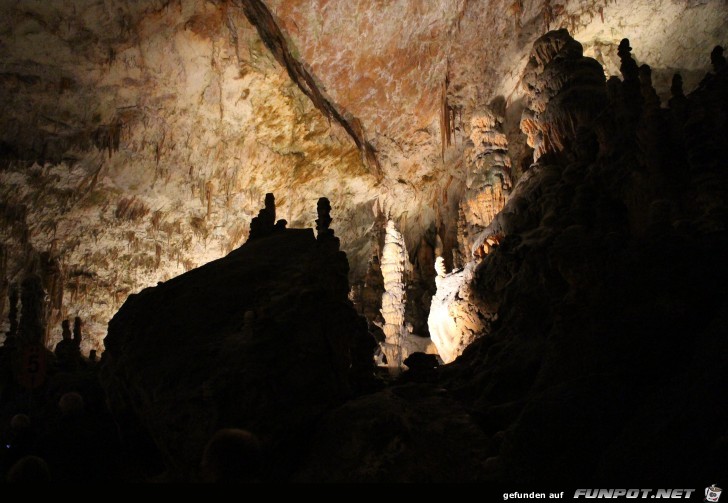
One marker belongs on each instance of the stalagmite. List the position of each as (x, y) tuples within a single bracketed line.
[(32, 317), (488, 181), (393, 299), (456, 317)]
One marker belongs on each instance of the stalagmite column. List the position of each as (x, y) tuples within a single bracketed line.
[(488, 181), (32, 316), (393, 299), (456, 317)]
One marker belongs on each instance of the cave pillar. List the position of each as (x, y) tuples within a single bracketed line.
[(393, 298)]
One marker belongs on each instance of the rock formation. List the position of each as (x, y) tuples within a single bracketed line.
[(605, 275), (605, 305), (68, 351), (456, 316), (264, 224), (262, 339), (488, 181), (411, 433), (399, 339), (393, 298), (139, 136), (324, 234), (553, 117), (31, 328), (13, 297), (566, 93), (138, 139)]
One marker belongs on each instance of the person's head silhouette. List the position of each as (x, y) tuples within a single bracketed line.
[(232, 455)]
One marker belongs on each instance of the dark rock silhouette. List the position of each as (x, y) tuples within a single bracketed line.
[(77, 335), (17, 442), (631, 83), (323, 209), (13, 296), (718, 60), (265, 223), (264, 339), (608, 287), (649, 95), (68, 349), (32, 318), (29, 469), (678, 103), (232, 455)]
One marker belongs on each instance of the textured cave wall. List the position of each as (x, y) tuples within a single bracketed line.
[(137, 139), (415, 72)]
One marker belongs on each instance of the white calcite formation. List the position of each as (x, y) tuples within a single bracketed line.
[(456, 319), (399, 341), (393, 298)]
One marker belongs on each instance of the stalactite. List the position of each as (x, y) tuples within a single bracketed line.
[(131, 209), (157, 255), (108, 137), (445, 120), (208, 196)]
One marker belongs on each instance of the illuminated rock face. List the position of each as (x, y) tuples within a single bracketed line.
[(564, 91), (137, 139), (393, 299), (156, 129), (399, 340), (457, 317), (488, 183)]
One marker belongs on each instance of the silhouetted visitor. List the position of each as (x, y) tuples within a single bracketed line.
[(232, 455), (29, 469), (18, 441), (71, 447), (71, 405)]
